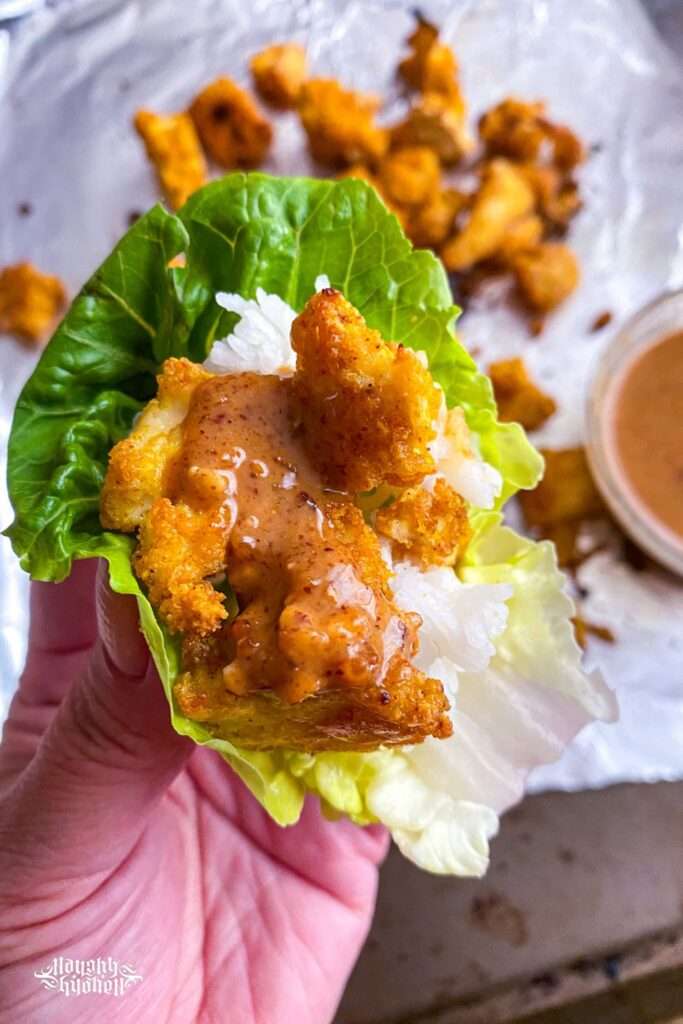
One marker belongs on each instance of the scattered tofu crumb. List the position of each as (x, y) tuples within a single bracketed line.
[(583, 629), (29, 301), (601, 320)]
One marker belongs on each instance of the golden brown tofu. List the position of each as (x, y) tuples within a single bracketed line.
[(366, 406), (173, 148), (430, 224), (340, 124), (523, 234), (279, 72), (431, 66), (218, 483), (29, 301), (566, 492), (503, 199), (428, 527), (410, 176), (513, 129), (420, 41), (518, 397), (546, 275), (437, 121), (557, 196), (231, 127)]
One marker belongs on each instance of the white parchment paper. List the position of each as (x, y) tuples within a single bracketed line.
[(72, 76)]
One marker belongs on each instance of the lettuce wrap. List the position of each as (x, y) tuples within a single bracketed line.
[(243, 233)]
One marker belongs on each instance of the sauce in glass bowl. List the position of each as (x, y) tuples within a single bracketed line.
[(635, 429)]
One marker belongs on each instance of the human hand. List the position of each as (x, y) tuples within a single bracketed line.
[(120, 838)]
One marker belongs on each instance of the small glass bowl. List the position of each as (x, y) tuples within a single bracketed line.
[(661, 317)]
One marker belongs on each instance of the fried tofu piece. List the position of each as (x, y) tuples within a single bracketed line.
[(231, 127), (518, 397), (367, 406), (431, 66), (513, 129), (430, 224), (437, 121), (137, 464), (503, 199), (428, 527), (173, 148), (546, 275), (566, 492), (178, 550), (340, 124), (410, 176), (215, 481), (523, 234), (557, 196), (521, 131), (421, 41), (279, 72), (29, 301)]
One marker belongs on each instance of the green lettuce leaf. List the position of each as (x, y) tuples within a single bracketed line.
[(238, 234)]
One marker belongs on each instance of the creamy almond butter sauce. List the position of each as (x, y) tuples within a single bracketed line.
[(648, 429), (315, 612)]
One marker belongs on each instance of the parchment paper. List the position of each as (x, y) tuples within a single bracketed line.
[(72, 76)]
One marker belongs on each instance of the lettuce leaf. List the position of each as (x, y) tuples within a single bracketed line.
[(238, 234)]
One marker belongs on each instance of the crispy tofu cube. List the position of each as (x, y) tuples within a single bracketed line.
[(231, 127), (279, 72), (518, 398), (173, 148)]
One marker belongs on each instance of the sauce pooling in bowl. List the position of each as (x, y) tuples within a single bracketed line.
[(648, 429)]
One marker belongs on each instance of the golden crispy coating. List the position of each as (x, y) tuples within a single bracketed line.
[(330, 721), (318, 656), (518, 397), (366, 406), (426, 527), (524, 234), (546, 274), (173, 147), (29, 301), (431, 66), (430, 224), (410, 176), (566, 492), (503, 199), (340, 124), (513, 128), (137, 464), (177, 550), (279, 72), (437, 121), (421, 41), (233, 130), (557, 196)]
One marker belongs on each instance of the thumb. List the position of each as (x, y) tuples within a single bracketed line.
[(106, 759)]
